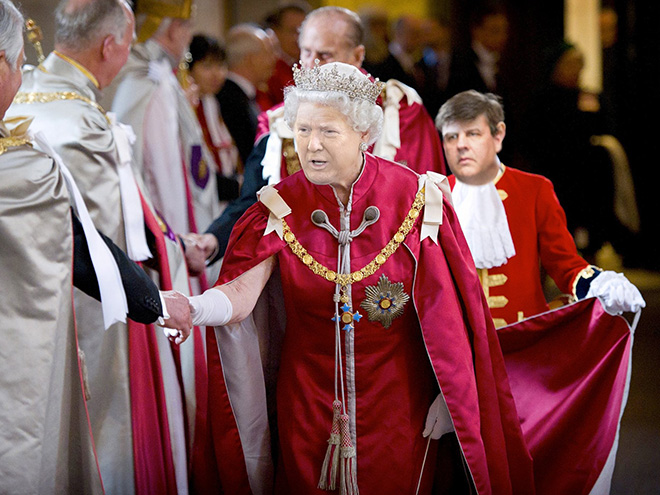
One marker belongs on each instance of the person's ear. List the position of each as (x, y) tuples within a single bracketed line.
[(358, 55), (107, 46), (499, 135)]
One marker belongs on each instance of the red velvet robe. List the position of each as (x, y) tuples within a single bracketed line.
[(538, 228), (569, 371), (444, 338)]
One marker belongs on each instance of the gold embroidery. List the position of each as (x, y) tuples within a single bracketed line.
[(345, 279), (290, 156), (11, 142), (497, 301), (22, 98), (499, 322)]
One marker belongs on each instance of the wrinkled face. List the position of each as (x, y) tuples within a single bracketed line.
[(328, 147), (471, 150), (287, 33), (209, 75), (10, 80), (325, 39)]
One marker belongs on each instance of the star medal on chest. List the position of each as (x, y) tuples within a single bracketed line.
[(347, 317), (384, 301)]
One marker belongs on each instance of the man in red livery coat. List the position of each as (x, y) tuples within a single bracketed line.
[(332, 34), (513, 221), (568, 368), (410, 325)]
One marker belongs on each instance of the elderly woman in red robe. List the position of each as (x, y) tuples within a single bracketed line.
[(387, 377)]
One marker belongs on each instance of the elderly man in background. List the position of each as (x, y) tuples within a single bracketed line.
[(169, 149), (250, 59), (331, 34), (92, 43)]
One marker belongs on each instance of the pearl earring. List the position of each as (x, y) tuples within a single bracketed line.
[(363, 146)]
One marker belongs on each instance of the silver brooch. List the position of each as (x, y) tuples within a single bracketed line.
[(384, 301)]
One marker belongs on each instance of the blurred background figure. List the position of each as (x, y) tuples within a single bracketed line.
[(376, 36), (560, 131), (285, 22), (433, 68), (477, 66), (208, 70), (251, 60), (404, 52)]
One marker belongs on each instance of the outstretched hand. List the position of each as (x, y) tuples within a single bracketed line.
[(179, 324)]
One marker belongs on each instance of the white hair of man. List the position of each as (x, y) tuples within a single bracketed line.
[(11, 32), (363, 114), (78, 23), (243, 40)]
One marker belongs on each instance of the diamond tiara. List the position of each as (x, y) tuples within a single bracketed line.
[(355, 86)]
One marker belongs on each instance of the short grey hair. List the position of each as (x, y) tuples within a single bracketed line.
[(11, 32), (363, 116), (243, 40), (76, 27), (356, 29), (469, 105)]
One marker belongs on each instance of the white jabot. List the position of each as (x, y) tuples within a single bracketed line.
[(113, 297), (483, 220)]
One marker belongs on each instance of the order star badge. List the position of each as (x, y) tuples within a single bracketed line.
[(384, 301)]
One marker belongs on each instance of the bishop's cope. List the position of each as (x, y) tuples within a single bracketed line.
[(372, 365)]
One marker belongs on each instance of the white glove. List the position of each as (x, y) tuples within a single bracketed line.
[(213, 308), (616, 293), (438, 420)]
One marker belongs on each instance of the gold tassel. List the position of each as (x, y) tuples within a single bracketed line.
[(348, 476), (328, 480)]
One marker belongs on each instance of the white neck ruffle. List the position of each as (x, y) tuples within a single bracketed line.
[(483, 220)]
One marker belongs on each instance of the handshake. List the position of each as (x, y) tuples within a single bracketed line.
[(180, 313)]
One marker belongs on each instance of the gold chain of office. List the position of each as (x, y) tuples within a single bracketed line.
[(27, 98), (345, 279), (11, 142)]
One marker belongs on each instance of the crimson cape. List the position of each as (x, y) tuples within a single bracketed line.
[(569, 371), (447, 316)]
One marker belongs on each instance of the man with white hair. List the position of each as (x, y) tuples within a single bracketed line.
[(92, 43), (169, 149), (251, 60), (331, 34)]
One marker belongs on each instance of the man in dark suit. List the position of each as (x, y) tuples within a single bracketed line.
[(404, 52), (477, 66), (250, 59)]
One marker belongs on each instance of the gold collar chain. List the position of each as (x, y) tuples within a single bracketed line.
[(27, 98), (345, 279)]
